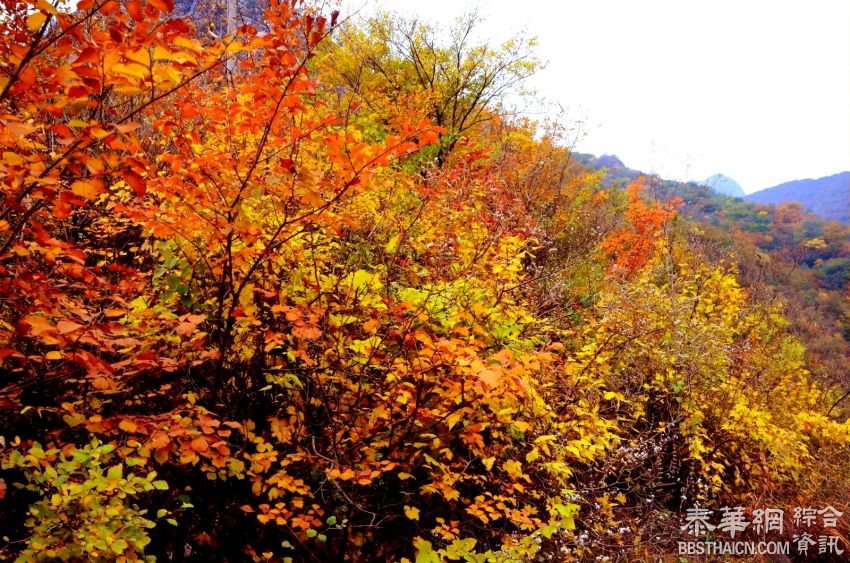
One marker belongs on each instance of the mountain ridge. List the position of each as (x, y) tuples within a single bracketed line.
[(827, 197)]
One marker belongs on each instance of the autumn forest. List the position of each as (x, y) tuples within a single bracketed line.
[(301, 287)]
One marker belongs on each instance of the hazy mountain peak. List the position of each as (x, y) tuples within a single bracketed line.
[(723, 184)]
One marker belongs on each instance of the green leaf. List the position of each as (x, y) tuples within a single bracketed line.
[(118, 546), (115, 472), (425, 552)]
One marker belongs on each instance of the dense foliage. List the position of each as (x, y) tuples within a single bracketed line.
[(308, 294)]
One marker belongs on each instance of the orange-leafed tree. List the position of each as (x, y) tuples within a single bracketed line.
[(631, 246)]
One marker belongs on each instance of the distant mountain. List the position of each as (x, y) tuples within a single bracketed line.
[(609, 161), (616, 171), (828, 197), (724, 185)]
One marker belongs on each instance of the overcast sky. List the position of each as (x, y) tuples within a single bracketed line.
[(758, 90)]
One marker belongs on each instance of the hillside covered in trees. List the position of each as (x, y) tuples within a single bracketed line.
[(299, 289), (827, 197)]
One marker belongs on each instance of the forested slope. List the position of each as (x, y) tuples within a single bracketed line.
[(828, 197)]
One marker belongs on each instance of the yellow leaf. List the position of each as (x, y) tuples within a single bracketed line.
[(513, 468), (454, 418), (160, 53), (46, 6), (360, 278), (186, 43), (412, 513), (13, 159), (133, 69), (36, 20), (98, 132), (141, 56), (391, 245), (54, 355)]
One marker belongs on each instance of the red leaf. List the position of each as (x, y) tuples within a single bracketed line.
[(87, 55), (136, 182), (9, 353), (135, 9)]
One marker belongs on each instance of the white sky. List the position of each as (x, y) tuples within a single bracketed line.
[(758, 90)]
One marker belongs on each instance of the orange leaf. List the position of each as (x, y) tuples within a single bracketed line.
[(312, 198), (86, 189), (95, 165), (102, 383), (127, 127), (200, 444), (163, 6), (38, 325), (66, 327), (159, 440), (489, 377), (161, 455), (127, 425), (19, 129)]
